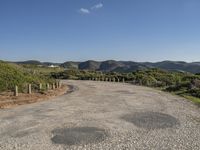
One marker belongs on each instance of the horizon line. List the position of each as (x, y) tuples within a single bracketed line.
[(14, 61)]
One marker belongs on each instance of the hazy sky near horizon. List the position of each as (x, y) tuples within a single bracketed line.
[(63, 30)]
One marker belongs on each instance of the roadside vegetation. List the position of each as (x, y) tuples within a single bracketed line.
[(179, 83), (12, 74)]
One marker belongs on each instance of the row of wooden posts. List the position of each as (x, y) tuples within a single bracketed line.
[(29, 87), (108, 79)]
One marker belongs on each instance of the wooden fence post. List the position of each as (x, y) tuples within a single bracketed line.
[(29, 89), (47, 86), (57, 84), (53, 86), (60, 84), (16, 91), (40, 86)]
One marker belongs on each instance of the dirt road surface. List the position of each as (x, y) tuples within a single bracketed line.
[(103, 115)]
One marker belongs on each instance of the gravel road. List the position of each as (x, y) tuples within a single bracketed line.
[(103, 115)]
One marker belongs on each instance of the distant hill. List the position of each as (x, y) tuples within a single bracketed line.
[(111, 65), (70, 64), (89, 65), (177, 66), (30, 62), (123, 66), (127, 66), (35, 62)]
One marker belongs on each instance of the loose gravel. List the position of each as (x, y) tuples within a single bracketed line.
[(101, 116)]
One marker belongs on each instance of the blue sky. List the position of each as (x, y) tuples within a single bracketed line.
[(63, 30)]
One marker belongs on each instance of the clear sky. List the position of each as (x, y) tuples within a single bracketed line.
[(63, 30)]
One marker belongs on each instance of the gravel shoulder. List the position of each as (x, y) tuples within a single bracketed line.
[(8, 100), (103, 115)]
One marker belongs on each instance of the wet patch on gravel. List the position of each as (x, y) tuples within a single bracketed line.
[(24, 133), (78, 136), (72, 88), (12, 117), (152, 120), (44, 110), (91, 86), (124, 92)]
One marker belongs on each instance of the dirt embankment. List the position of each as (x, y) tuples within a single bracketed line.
[(7, 99)]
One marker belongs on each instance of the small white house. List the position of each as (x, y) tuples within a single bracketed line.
[(53, 66)]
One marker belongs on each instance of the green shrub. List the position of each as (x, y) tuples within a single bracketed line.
[(11, 75), (194, 92), (167, 80)]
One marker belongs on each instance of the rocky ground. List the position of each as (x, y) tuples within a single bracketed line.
[(102, 115)]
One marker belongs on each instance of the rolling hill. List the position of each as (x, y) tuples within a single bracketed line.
[(89, 65), (123, 66)]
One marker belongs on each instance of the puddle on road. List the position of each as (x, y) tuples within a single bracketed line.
[(152, 120), (78, 135)]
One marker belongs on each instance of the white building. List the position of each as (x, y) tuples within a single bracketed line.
[(53, 66)]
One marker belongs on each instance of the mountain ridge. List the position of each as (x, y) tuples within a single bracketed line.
[(122, 66)]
